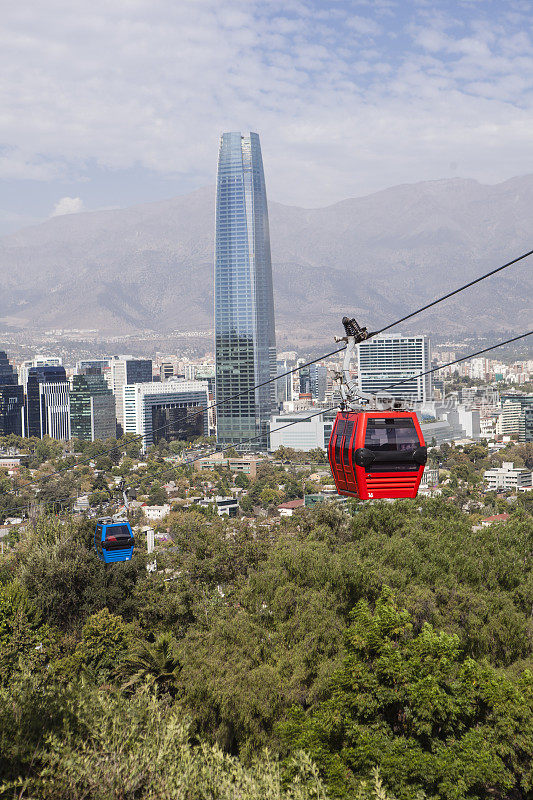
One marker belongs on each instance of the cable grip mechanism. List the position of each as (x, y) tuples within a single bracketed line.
[(351, 395)]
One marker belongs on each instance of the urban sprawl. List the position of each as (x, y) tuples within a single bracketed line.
[(226, 409)]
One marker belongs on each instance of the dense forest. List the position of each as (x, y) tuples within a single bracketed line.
[(371, 651)]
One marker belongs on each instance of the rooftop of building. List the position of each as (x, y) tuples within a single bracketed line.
[(508, 466), (292, 504)]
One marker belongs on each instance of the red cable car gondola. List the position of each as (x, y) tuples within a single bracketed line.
[(377, 454)]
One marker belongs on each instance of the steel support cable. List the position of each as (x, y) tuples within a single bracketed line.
[(286, 374), (317, 413), (190, 416), (246, 441), (455, 291), (372, 334), (199, 457), (458, 360), (332, 408)]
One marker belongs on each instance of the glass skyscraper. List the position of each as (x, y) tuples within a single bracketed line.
[(92, 407), (11, 399), (245, 342), (36, 402)]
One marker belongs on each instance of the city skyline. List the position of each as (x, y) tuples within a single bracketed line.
[(81, 406)]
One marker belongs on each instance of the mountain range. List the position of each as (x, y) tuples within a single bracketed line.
[(150, 267)]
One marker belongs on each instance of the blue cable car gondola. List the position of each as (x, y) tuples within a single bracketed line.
[(113, 540)]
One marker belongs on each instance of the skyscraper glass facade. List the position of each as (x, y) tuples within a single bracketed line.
[(245, 341), (36, 417), (11, 399), (55, 410), (92, 408)]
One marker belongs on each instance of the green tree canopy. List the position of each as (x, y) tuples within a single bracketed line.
[(417, 706)]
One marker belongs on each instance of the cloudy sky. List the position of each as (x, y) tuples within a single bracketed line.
[(107, 104)]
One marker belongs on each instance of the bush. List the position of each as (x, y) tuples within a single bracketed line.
[(116, 748), (417, 707)]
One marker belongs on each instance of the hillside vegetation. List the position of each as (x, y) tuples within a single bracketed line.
[(272, 662)]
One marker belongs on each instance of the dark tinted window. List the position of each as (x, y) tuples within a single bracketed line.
[(119, 532), (118, 537), (340, 430), (346, 450), (391, 434)]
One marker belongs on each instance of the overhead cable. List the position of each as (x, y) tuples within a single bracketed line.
[(192, 415), (455, 291), (458, 360)]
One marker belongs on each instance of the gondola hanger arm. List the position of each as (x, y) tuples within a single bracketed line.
[(350, 393)]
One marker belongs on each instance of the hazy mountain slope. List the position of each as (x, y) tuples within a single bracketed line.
[(151, 266)]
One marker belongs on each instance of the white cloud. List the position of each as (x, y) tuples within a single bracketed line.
[(67, 205), (345, 103)]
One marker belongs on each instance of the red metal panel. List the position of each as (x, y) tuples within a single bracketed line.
[(342, 469), (353, 480)]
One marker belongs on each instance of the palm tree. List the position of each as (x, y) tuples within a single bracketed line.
[(156, 664)]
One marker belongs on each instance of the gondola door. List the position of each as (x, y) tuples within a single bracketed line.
[(340, 452)]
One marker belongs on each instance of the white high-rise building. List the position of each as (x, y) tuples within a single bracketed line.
[(386, 360), (124, 370), (509, 420), (55, 410), (301, 431), (166, 410)]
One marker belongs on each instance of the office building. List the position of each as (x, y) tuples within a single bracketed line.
[(508, 423), (305, 434), (11, 399), (45, 411), (38, 361), (525, 400), (513, 421), (386, 360), (92, 407), (55, 410), (313, 380), (283, 386), (92, 366), (245, 345), (124, 371), (166, 410), (507, 477), (468, 418), (167, 370), (525, 428)]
